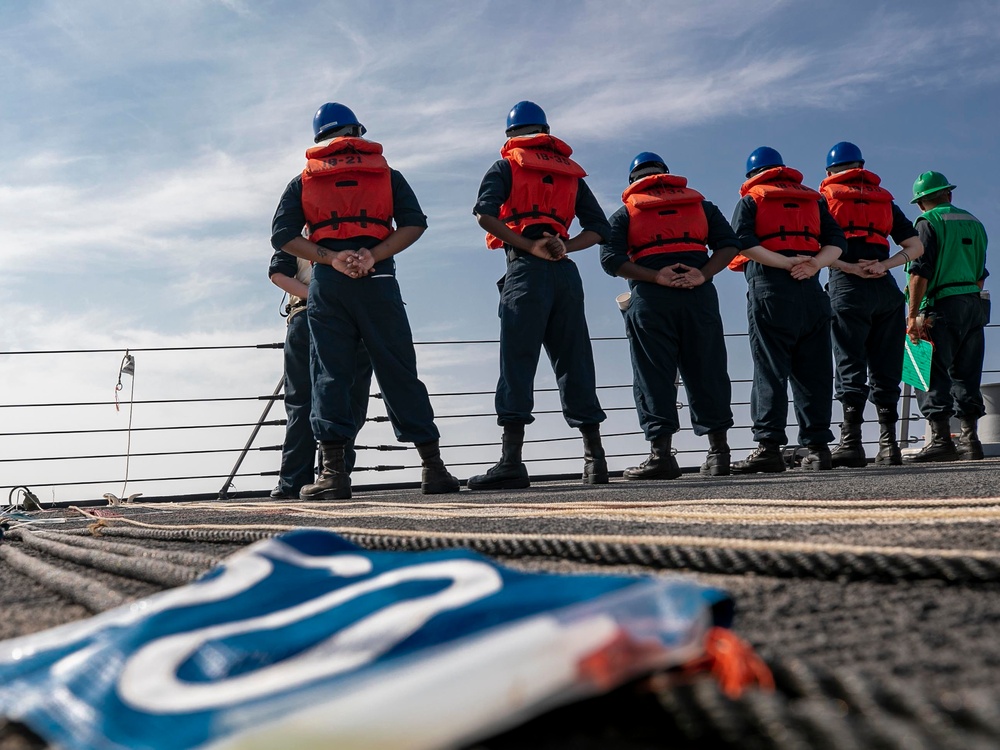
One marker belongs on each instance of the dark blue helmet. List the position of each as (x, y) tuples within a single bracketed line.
[(646, 159), (765, 156), (332, 116), (526, 113), (844, 152)]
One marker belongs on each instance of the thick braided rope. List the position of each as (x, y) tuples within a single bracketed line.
[(150, 570), (773, 559), (92, 595), (181, 557), (785, 564)]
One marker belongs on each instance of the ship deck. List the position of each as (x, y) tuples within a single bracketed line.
[(873, 594)]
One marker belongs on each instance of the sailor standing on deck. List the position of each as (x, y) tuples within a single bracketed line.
[(298, 452), (868, 309), (658, 242), (787, 235), (945, 305), (358, 213), (527, 201)]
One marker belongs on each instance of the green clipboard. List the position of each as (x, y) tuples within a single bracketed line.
[(917, 363)]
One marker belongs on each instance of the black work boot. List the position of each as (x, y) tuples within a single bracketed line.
[(969, 447), (595, 465), (434, 477), (766, 458), (717, 460), (941, 447), (660, 464), (818, 457), (850, 452), (509, 473), (888, 449), (333, 482)]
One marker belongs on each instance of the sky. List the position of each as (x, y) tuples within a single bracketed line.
[(144, 146)]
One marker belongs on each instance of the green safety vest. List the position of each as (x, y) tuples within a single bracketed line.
[(961, 259)]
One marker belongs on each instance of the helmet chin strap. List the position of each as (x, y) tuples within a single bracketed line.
[(646, 171), (527, 130)]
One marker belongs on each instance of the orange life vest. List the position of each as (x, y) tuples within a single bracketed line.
[(347, 190), (544, 182), (787, 213), (665, 216), (860, 206)]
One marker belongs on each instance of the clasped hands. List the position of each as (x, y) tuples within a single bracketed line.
[(680, 276), (353, 263), (866, 269), (549, 247)]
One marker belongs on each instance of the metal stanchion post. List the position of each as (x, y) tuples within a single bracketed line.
[(224, 492), (904, 422)]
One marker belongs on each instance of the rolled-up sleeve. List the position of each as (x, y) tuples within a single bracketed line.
[(830, 232), (289, 219), (720, 233), (283, 263), (590, 214), (744, 222), (614, 251), (406, 211), (493, 190)]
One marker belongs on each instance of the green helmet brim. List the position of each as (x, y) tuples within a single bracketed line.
[(924, 193)]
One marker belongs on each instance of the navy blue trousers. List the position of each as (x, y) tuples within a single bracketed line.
[(957, 364), (344, 312), (869, 325), (298, 452), (789, 325), (678, 329), (541, 305)]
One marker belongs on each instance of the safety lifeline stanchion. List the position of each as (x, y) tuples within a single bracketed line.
[(224, 492), (904, 421)]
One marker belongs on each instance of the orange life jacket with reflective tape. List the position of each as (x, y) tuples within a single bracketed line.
[(787, 213), (544, 182), (665, 216), (347, 190), (860, 206)]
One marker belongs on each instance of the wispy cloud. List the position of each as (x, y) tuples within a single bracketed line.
[(146, 145)]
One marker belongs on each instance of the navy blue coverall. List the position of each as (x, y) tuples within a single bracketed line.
[(345, 312), (670, 329), (298, 451), (869, 323), (789, 326), (541, 304)]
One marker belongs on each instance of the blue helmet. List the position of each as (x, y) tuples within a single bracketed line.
[(765, 156), (526, 113), (844, 152), (332, 116), (646, 158)]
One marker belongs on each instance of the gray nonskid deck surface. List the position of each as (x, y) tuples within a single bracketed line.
[(936, 637)]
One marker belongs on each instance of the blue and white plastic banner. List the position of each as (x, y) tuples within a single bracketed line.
[(308, 641)]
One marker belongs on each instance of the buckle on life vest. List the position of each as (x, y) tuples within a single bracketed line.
[(363, 220)]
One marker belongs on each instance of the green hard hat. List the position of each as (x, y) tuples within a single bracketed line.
[(930, 182)]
